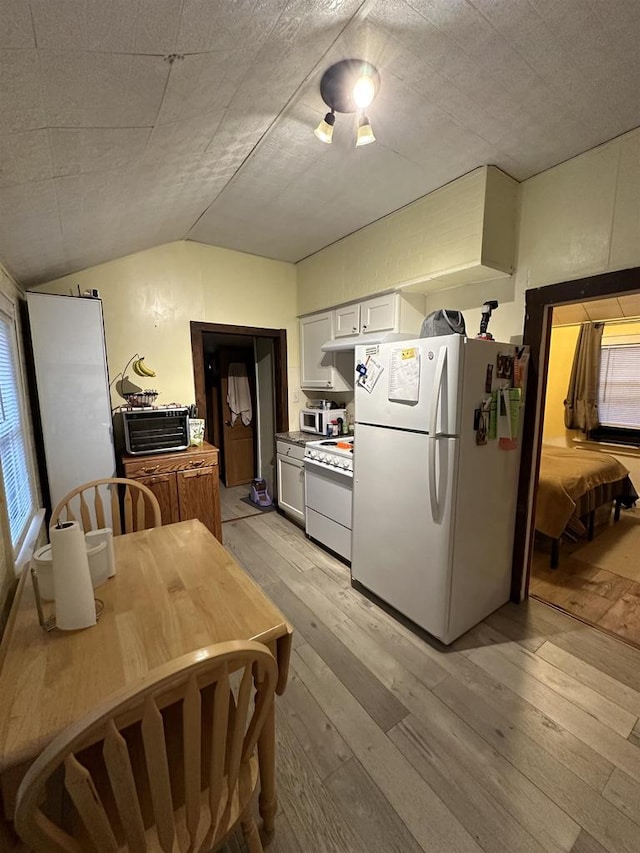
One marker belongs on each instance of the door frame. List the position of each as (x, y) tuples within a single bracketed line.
[(279, 337), (539, 304)]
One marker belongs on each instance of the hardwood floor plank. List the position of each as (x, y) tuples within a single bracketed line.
[(603, 652), (412, 651), (587, 844), (285, 541), (610, 745), (616, 832), (312, 813), (368, 811), (428, 819), (624, 793), (576, 692), (625, 697), (522, 634), (255, 562), (318, 737), (484, 817), (378, 702)]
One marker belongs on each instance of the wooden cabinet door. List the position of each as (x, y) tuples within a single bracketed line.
[(316, 367), (347, 321), (165, 488), (198, 497), (379, 314)]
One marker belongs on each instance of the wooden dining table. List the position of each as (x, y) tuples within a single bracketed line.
[(176, 589)]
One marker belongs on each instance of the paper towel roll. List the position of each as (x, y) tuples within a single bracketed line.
[(104, 534), (75, 607)]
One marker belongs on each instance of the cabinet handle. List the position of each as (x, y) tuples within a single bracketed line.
[(355, 329), (150, 470), (364, 325), (199, 463)]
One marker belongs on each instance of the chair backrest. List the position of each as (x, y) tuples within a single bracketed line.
[(159, 766), (140, 506)]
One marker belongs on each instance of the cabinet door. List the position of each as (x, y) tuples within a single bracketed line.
[(379, 314), (291, 487), (347, 321), (197, 493), (165, 489), (316, 367)]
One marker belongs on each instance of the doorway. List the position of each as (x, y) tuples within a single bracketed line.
[(581, 571), (240, 376)]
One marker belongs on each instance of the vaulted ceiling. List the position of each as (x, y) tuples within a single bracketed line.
[(125, 124)]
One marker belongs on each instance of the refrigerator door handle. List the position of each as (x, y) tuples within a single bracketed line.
[(437, 390), (433, 485)]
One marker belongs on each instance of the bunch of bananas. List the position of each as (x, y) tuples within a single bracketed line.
[(141, 368)]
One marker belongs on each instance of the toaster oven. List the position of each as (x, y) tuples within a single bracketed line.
[(152, 430)]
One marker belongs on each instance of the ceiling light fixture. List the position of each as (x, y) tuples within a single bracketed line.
[(324, 131), (348, 86), (365, 132)]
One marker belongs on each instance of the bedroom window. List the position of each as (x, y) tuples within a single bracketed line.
[(619, 395), (13, 441)]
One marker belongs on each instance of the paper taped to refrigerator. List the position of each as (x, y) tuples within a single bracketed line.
[(404, 375), (373, 370)]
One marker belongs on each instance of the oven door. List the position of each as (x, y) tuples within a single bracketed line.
[(328, 491)]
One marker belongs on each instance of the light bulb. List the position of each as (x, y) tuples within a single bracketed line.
[(364, 92), (324, 131), (365, 132)]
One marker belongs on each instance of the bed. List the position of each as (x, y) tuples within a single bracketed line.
[(572, 484)]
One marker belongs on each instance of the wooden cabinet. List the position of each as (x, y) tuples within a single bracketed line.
[(291, 480), (185, 483), (371, 316), (318, 369)]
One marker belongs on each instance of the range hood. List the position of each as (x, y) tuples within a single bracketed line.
[(351, 342)]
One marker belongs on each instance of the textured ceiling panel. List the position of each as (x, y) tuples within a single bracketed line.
[(125, 124)]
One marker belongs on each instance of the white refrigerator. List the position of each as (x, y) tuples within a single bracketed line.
[(72, 384), (433, 510)]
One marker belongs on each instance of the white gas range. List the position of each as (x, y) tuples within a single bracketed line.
[(328, 485)]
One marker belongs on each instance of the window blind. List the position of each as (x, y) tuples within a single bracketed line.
[(619, 388), (13, 451)]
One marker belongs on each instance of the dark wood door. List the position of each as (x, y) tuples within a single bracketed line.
[(238, 439)]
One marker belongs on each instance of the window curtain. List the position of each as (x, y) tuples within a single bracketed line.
[(581, 405)]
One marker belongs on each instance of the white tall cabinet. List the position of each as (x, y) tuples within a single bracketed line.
[(291, 480), (70, 361), (321, 370)]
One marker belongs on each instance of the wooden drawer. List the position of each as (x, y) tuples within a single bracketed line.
[(169, 464)]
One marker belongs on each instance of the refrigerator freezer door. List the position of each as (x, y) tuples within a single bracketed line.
[(441, 363), (400, 552)]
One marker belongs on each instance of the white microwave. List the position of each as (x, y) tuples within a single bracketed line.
[(316, 420)]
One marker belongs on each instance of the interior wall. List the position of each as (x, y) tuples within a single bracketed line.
[(563, 345), (266, 408), (577, 219), (150, 298)]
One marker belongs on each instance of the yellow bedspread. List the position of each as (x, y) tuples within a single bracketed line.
[(566, 474)]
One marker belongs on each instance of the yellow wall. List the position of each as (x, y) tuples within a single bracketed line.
[(579, 218), (563, 346), (150, 298)]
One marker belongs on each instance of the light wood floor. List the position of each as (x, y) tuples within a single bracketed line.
[(522, 738), (231, 505), (601, 596)]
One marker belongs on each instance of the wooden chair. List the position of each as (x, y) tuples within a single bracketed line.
[(140, 505), (133, 780)]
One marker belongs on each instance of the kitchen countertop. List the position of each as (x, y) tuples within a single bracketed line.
[(299, 438), (303, 438)]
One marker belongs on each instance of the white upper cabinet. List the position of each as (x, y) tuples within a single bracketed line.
[(379, 314), (319, 369), (347, 321)]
